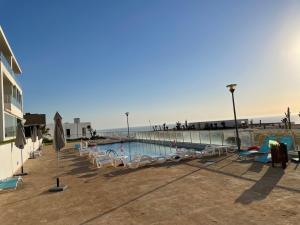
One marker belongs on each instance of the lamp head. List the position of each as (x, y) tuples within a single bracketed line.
[(231, 87), (127, 113)]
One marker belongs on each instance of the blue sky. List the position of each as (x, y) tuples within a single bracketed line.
[(162, 61)]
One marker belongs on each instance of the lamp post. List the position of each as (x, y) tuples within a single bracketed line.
[(232, 88), (127, 114)]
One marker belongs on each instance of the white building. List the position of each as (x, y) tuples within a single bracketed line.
[(220, 124), (73, 130), (11, 110), (11, 95)]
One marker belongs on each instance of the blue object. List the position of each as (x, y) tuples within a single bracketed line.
[(77, 146), (9, 183), (264, 148), (288, 141)]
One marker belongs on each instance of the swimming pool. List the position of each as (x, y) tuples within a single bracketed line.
[(131, 149)]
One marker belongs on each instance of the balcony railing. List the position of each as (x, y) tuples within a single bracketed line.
[(11, 100), (8, 67)]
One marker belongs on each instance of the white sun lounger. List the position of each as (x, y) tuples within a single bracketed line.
[(139, 161), (104, 160)]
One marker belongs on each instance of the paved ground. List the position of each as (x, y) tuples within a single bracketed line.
[(193, 192)]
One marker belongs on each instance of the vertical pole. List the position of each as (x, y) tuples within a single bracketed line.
[(127, 126), (57, 179), (236, 125), (191, 136), (22, 171), (200, 137), (222, 137)]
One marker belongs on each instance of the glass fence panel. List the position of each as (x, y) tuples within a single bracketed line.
[(246, 138), (179, 136), (205, 137), (229, 137), (195, 137), (172, 136), (216, 137), (186, 136)]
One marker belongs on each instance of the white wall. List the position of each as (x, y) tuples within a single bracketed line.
[(73, 130), (10, 157)]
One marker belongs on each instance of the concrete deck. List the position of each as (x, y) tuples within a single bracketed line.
[(192, 192)]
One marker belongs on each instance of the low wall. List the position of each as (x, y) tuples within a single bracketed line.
[(10, 157)]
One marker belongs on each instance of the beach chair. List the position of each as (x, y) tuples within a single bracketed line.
[(288, 141), (103, 160), (119, 161), (159, 159), (11, 183), (139, 161), (210, 150), (77, 146), (261, 154)]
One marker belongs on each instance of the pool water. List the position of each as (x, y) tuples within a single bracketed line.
[(137, 148)]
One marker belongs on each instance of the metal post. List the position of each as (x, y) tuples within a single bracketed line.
[(200, 137), (127, 113), (57, 179), (236, 125)]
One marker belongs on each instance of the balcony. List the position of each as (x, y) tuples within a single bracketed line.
[(12, 105), (8, 67)]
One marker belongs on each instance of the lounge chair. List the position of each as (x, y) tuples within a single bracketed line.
[(288, 141), (104, 160), (139, 161), (209, 150), (295, 159), (119, 161), (261, 154), (77, 146), (11, 183)]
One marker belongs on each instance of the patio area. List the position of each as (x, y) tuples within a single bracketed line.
[(214, 191)]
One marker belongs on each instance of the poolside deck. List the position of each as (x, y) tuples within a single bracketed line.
[(192, 192)]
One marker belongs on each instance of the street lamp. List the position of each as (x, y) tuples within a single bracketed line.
[(127, 114), (231, 88)]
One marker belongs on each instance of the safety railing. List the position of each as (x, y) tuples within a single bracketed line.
[(248, 137)]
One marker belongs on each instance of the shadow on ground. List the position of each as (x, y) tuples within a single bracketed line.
[(263, 187)]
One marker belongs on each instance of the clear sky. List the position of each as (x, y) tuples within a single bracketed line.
[(161, 60)]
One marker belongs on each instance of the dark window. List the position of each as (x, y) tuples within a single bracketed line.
[(68, 132)]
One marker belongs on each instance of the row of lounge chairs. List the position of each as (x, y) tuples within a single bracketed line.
[(111, 158)]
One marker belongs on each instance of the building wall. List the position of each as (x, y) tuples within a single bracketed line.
[(10, 157), (73, 130), (228, 124), (1, 105), (14, 111)]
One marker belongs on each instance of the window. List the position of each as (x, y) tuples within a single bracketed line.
[(10, 125), (68, 132), (83, 131)]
